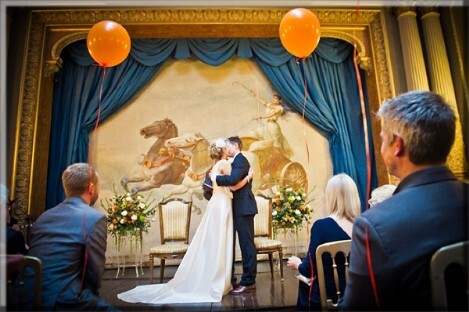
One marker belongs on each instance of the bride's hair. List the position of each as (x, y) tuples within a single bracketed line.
[(215, 151)]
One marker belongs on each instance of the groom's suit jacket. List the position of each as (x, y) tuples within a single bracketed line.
[(244, 202)]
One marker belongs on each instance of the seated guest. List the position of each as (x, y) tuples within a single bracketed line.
[(343, 205), (381, 193), (70, 239), (15, 239), (392, 244)]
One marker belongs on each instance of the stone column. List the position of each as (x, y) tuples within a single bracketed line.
[(441, 80), (414, 63)]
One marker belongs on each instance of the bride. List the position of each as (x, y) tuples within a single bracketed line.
[(204, 274)]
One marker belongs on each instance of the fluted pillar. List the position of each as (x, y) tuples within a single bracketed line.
[(414, 63), (442, 82)]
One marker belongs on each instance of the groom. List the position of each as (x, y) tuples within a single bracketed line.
[(244, 210)]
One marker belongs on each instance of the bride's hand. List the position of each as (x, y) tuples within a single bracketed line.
[(250, 174)]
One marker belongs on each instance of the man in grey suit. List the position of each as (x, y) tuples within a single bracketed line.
[(70, 239), (392, 244), (244, 210)]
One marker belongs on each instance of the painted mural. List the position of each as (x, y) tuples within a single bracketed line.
[(157, 145)]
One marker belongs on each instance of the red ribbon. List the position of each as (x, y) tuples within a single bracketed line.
[(363, 111), (370, 269), (90, 149), (312, 280), (304, 107), (86, 253)]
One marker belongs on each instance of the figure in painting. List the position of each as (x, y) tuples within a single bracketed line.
[(160, 165), (270, 133)]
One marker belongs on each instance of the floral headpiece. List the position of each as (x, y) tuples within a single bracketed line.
[(219, 143)]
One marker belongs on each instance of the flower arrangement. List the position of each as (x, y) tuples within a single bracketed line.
[(289, 209), (129, 216)]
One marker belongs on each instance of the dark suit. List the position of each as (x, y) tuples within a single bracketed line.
[(427, 211), (244, 210), (58, 238), (15, 242)]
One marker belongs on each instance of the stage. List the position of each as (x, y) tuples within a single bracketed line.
[(269, 295)]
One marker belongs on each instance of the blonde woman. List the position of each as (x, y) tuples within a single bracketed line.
[(343, 205), (204, 274)]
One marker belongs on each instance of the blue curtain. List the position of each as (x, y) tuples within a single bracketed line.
[(333, 104)]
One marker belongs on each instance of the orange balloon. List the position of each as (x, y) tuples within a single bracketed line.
[(108, 43), (300, 32)]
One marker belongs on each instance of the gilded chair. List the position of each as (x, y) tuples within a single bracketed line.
[(338, 260), (175, 219), (263, 240), (16, 266), (449, 278)]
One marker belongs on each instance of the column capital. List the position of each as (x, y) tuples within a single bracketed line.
[(427, 11), (399, 11)]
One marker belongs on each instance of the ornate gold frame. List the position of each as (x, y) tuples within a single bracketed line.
[(51, 30)]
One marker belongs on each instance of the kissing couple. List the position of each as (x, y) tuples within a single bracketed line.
[(206, 273)]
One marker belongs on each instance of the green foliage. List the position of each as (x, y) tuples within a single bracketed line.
[(128, 215), (289, 208)]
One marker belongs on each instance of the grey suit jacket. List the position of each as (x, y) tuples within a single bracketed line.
[(428, 210), (58, 238)]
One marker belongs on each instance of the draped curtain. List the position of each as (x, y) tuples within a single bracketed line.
[(326, 80)]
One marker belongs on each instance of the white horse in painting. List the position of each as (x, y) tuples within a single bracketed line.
[(200, 163)]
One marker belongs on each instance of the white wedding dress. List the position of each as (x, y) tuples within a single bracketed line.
[(204, 274)]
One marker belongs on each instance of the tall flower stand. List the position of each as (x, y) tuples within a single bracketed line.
[(294, 234), (129, 245), (295, 243)]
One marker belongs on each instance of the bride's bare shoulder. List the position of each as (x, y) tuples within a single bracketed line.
[(224, 166)]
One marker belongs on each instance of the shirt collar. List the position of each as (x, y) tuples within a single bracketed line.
[(425, 176)]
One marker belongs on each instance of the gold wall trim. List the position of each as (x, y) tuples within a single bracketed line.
[(380, 60), (363, 59), (55, 63), (199, 16), (52, 30), (28, 114)]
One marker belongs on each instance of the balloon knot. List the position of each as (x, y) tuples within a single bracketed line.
[(303, 58)]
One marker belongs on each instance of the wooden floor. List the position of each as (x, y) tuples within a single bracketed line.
[(269, 295)]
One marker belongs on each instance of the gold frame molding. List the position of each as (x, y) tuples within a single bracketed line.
[(52, 30)]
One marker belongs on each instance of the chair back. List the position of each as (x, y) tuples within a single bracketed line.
[(263, 218), (16, 267), (263, 232), (448, 270), (175, 219), (334, 249)]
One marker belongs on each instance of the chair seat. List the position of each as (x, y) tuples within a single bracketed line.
[(170, 247), (264, 243)]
